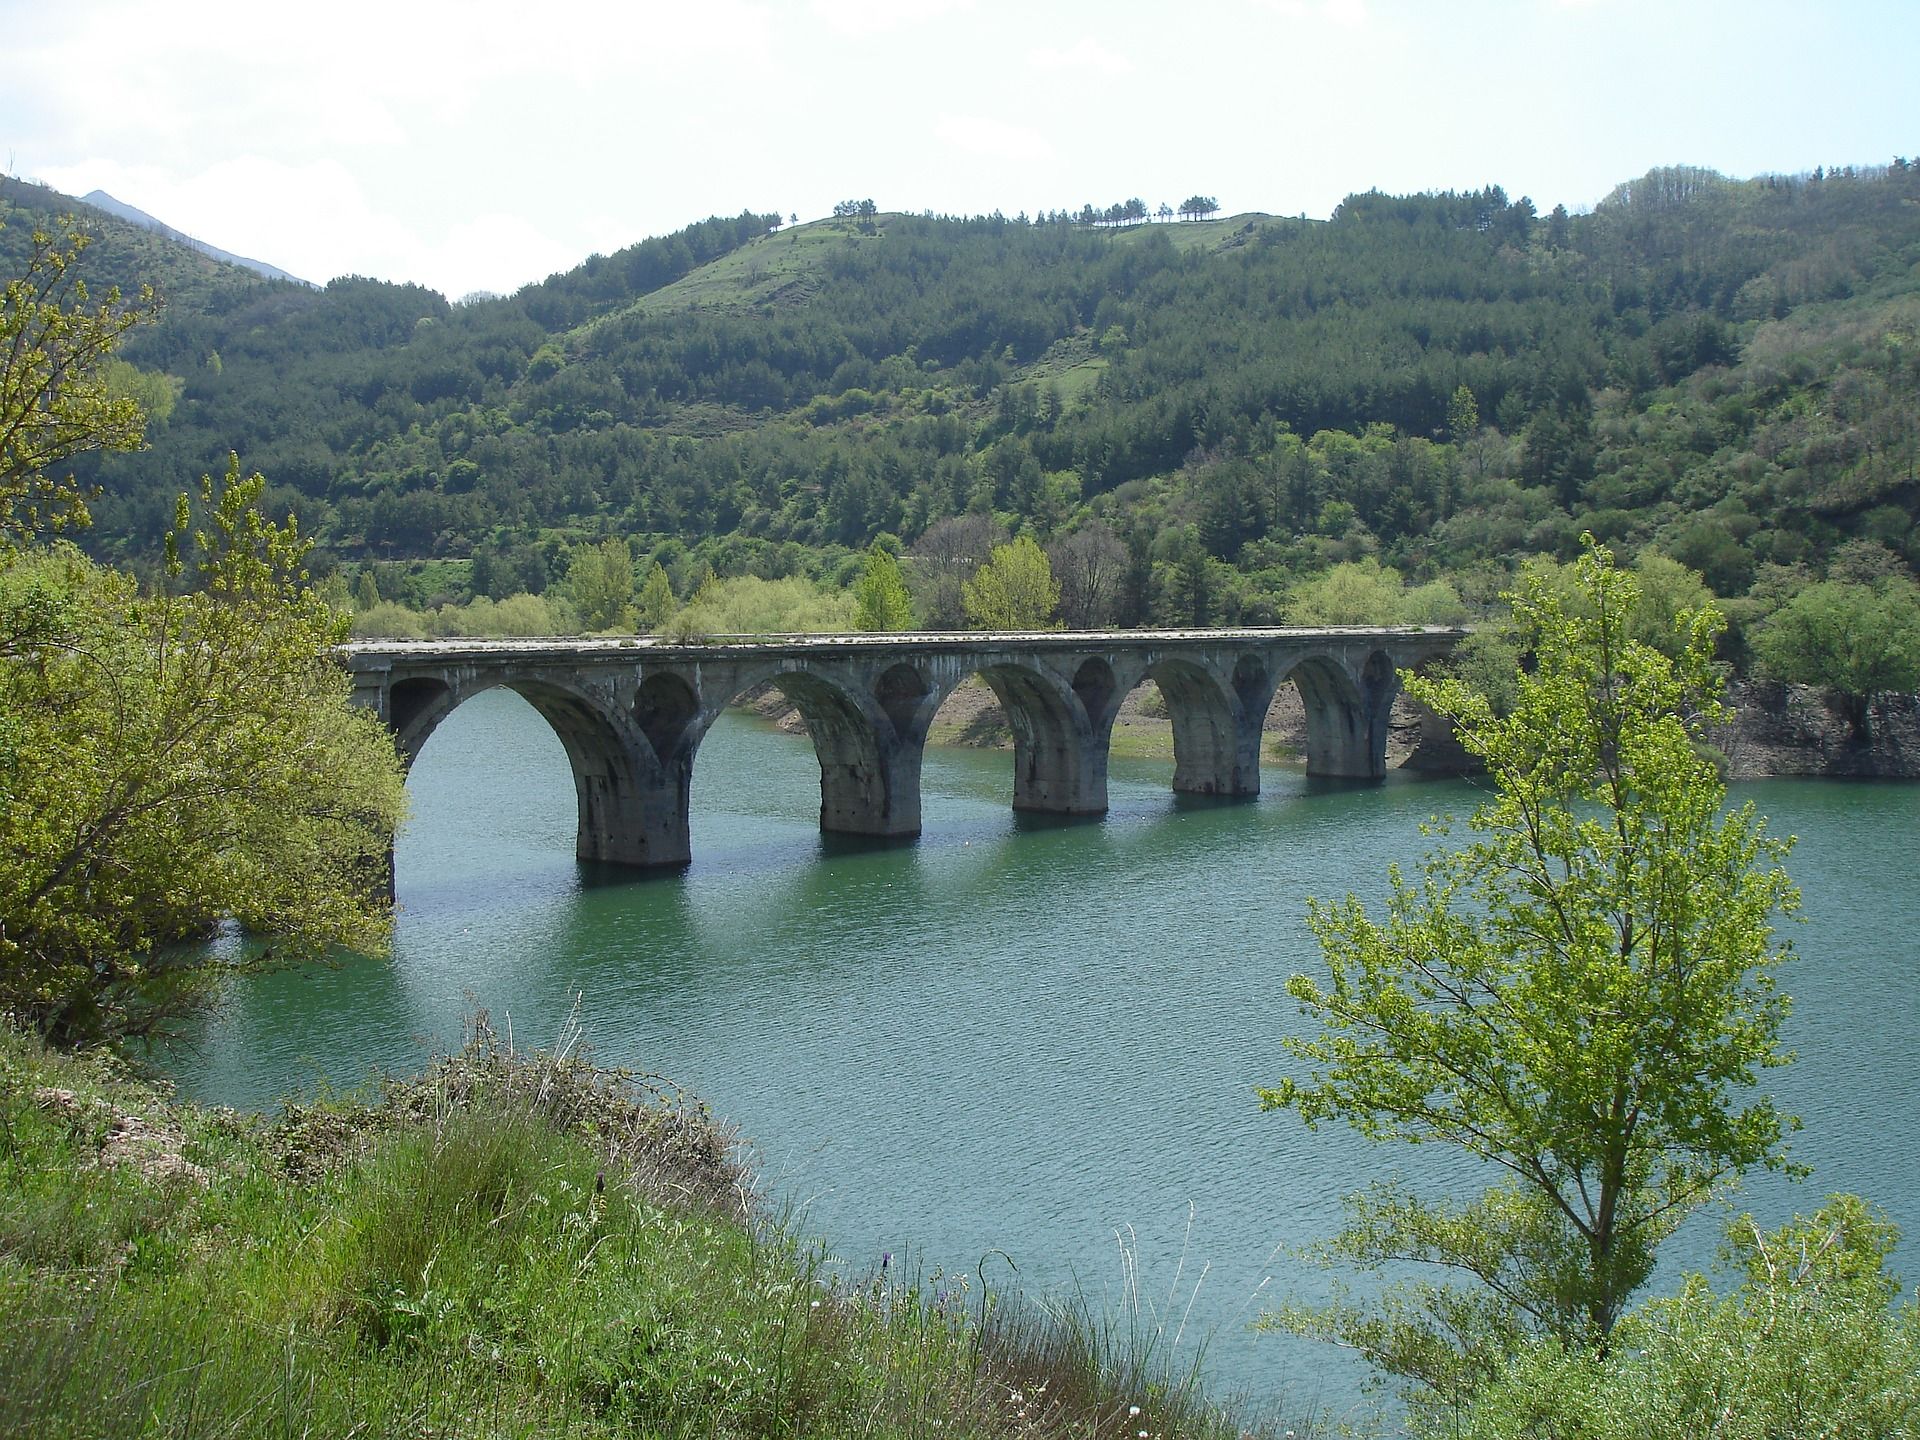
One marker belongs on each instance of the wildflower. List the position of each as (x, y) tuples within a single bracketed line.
[(1133, 1413)]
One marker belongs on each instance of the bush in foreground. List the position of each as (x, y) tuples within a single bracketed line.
[(1809, 1344)]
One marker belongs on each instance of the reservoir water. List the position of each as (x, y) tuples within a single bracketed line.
[(1023, 1045)]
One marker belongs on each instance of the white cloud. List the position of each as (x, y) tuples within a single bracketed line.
[(1347, 14), (880, 17), (499, 252), (1084, 56), (992, 139)]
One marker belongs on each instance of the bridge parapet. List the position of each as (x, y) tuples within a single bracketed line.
[(631, 713)]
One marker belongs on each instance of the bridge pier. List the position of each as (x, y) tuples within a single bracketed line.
[(1059, 748), (869, 784), (1052, 777), (1347, 724), (644, 826), (1216, 728)]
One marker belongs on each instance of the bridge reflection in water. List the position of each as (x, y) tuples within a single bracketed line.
[(631, 713)]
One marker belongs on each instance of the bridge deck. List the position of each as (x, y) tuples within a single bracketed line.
[(933, 641)]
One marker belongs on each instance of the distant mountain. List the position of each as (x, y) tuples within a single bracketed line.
[(101, 200)]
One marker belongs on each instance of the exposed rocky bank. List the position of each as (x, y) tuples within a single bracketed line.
[(1796, 730)]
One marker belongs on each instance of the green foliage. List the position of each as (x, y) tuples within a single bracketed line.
[(522, 615), (508, 1244), (1350, 593), (1855, 640), (1670, 593), (656, 603), (1365, 592), (1463, 414), (1807, 1345), (169, 761), (56, 399), (1014, 590), (1580, 997), (748, 605), (948, 554), (1667, 597), (600, 585), (1488, 662), (514, 616), (154, 393), (880, 594), (389, 620)]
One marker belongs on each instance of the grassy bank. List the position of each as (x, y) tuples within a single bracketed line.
[(506, 1245)]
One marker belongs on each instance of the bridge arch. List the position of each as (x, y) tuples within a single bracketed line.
[(1059, 749), (908, 696), (867, 733), (616, 779), (415, 708), (665, 708), (1210, 719), (1346, 714)]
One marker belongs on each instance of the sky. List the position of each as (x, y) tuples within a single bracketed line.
[(482, 145)]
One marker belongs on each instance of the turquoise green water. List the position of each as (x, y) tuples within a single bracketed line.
[(1034, 1039)]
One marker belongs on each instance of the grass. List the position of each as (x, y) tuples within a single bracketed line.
[(780, 268), (505, 1245), (784, 268)]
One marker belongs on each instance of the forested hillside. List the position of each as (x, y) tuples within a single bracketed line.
[(1723, 371)]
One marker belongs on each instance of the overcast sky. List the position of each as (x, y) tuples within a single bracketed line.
[(481, 145)]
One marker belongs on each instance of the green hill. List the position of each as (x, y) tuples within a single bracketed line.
[(1722, 370)]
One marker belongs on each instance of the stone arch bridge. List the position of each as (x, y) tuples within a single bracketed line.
[(631, 713)]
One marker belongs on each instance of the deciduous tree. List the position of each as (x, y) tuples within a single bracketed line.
[(1463, 415), (600, 584), (1091, 565), (880, 594), (1581, 998), (1015, 590), (56, 342), (656, 603), (944, 558), (1854, 640), (1810, 1342), (169, 761)]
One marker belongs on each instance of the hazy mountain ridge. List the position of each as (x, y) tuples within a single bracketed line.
[(101, 200)]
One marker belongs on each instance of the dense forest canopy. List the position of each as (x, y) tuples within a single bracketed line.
[(1723, 371)]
